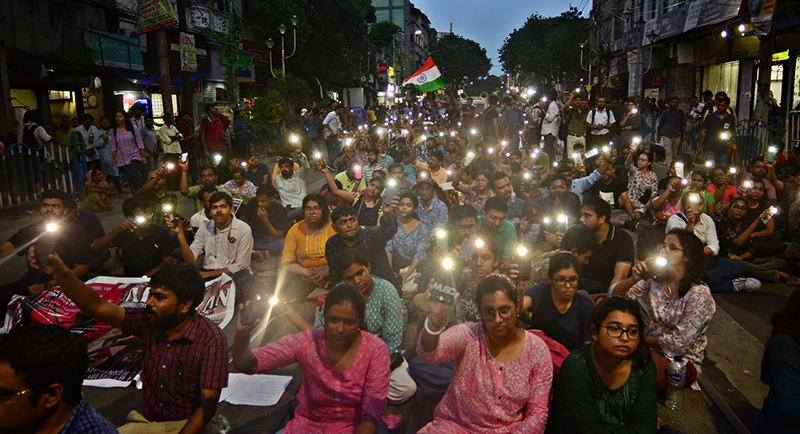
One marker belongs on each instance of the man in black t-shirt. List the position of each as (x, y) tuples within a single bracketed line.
[(146, 246), (614, 191), (268, 220), (611, 262), (72, 244)]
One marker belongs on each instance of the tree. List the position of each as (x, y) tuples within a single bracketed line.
[(458, 57), (382, 33), (332, 37), (546, 50)]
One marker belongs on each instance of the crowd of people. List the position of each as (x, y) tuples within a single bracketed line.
[(481, 265)]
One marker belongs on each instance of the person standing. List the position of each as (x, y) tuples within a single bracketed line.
[(719, 132), (62, 148), (171, 143), (550, 124), (575, 123), (103, 143), (671, 129), (468, 117), (150, 139), (127, 151), (333, 125), (212, 132), (189, 142), (599, 122), (508, 121), (89, 133), (241, 136)]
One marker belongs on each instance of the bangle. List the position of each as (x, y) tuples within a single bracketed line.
[(432, 333)]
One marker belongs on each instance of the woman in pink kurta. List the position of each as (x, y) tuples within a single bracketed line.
[(332, 400), (485, 395)]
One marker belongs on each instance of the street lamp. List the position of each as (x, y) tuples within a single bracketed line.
[(270, 43)]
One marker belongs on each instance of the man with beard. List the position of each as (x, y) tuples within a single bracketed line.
[(611, 262), (614, 191), (155, 190), (185, 355), (432, 211), (758, 172), (72, 243), (224, 241), (492, 223), (502, 187), (559, 201), (369, 240), (207, 179), (291, 185)]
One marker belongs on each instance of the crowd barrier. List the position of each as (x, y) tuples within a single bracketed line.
[(28, 171)]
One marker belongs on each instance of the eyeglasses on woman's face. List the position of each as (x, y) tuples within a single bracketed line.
[(617, 332), (561, 281), (669, 248), (505, 312)]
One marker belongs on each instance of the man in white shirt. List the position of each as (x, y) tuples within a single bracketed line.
[(550, 125), (89, 132), (332, 125), (292, 185), (692, 219), (225, 243), (696, 111), (599, 121), (170, 139)]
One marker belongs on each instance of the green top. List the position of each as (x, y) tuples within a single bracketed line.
[(577, 122), (583, 404), (383, 314), (506, 238), (709, 198)]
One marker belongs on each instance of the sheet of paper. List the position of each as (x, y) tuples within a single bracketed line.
[(106, 383), (255, 390)]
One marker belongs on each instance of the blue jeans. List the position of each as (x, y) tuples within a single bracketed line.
[(334, 149), (723, 273), (266, 242), (719, 158), (133, 172)]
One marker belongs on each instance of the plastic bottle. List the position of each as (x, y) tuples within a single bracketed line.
[(676, 379), (223, 425)]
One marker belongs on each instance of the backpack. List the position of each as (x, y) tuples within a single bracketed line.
[(483, 123), (28, 136)]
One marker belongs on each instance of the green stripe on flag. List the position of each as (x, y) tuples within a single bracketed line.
[(431, 85)]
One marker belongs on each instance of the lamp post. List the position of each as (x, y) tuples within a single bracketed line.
[(271, 43)]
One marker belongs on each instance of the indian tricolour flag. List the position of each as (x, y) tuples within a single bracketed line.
[(426, 79)]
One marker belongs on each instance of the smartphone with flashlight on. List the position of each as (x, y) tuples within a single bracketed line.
[(441, 238), (444, 290), (357, 171), (523, 260), (392, 190), (256, 310), (184, 157), (46, 244), (471, 246)]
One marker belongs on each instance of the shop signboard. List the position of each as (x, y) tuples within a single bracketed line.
[(154, 15)]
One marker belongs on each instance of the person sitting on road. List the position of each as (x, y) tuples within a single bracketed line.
[(678, 303), (697, 184), (204, 215), (610, 384), (146, 246), (368, 202), (345, 369), (642, 182), (208, 178), (408, 247), (556, 307), (668, 204), (268, 220), (291, 185), (240, 186), (493, 355), (41, 373), (183, 350), (303, 263)]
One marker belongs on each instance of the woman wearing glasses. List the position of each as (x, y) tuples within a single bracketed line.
[(609, 385), (502, 374), (556, 308), (678, 303)]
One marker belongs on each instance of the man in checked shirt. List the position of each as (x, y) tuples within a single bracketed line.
[(184, 360)]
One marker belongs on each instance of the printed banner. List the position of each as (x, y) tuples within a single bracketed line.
[(188, 53), (761, 15), (155, 14), (113, 355)]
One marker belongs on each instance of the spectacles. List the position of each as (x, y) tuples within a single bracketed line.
[(5, 398), (573, 281), (313, 209), (668, 248), (616, 332), (738, 207), (490, 314)]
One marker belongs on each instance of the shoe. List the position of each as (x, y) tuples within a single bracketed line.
[(746, 284)]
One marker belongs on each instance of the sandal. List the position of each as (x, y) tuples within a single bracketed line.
[(792, 281)]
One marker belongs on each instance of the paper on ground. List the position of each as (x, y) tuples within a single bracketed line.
[(106, 383), (255, 390)]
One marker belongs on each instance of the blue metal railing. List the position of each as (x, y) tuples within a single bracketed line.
[(28, 171)]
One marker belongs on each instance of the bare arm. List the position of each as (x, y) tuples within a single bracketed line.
[(7, 249), (621, 271), (184, 187), (457, 181), (209, 400), (165, 263), (344, 194)]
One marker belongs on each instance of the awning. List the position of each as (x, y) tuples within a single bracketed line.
[(152, 80)]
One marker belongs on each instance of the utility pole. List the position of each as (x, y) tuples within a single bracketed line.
[(163, 69), (766, 47), (187, 89)]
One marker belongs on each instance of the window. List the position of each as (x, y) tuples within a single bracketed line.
[(723, 77)]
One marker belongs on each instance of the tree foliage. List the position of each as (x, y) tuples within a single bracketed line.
[(332, 36), (458, 57), (382, 33), (546, 49)]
